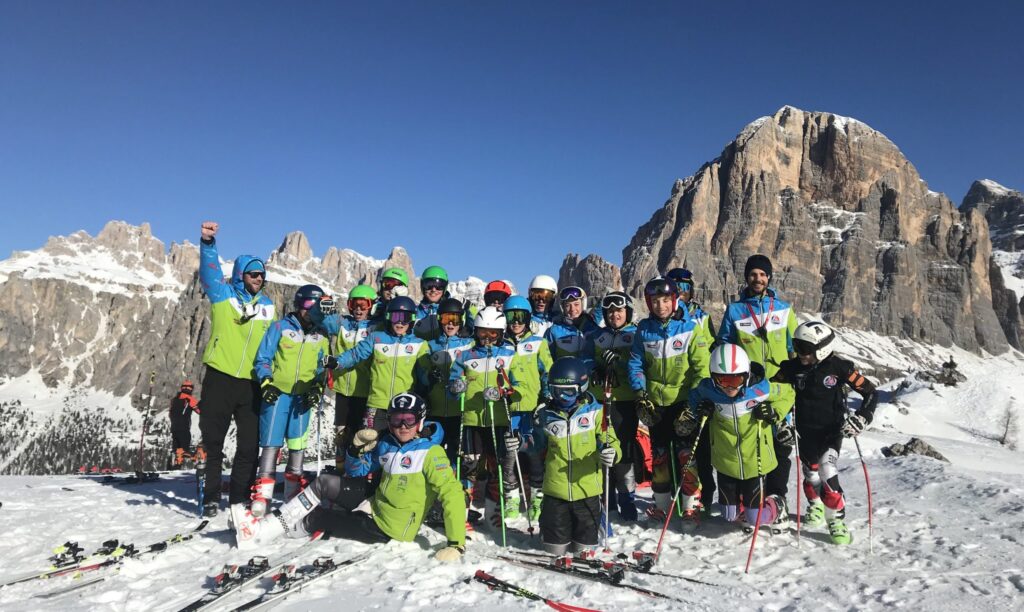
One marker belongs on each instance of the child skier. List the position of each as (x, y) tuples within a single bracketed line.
[(289, 367), (571, 330), (529, 369), (182, 406), (822, 421), (415, 472), (736, 399), (437, 364), (578, 451)]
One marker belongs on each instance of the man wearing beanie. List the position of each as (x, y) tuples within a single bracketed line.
[(763, 324)]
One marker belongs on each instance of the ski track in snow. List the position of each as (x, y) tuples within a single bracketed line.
[(946, 535)]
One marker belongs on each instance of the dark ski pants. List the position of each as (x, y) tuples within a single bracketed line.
[(226, 399), (349, 412), (346, 494), (569, 525), (625, 422), (776, 482), (182, 438)]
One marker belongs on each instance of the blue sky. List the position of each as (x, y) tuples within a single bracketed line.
[(487, 137)]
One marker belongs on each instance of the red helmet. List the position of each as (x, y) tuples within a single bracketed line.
[(498, 285), (496, 292)]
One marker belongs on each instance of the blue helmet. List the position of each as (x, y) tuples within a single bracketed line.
[(517, 303), (402, 303), (568, 379)]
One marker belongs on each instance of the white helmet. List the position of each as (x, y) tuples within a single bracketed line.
[(545, 282), (730, 359), (814, 337), (490, 318)]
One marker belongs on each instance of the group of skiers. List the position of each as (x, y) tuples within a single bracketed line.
[(532, 402)]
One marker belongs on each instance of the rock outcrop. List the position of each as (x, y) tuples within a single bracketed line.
[(1003, 209), (853, 232), (592, 273)]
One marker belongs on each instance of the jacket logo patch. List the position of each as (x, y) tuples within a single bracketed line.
[(776, 319), (584, 421), (830, 381), (677, 344), (474, 364), (529, 347), (384, 349), (500, 363), (628, 338), (406, 461), (744, 324), (751, 404), (408, 348)]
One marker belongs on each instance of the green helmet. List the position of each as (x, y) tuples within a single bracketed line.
[(396, 273), (434, 272), (365, 292)]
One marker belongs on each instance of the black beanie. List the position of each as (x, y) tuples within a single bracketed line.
[(758, 262)]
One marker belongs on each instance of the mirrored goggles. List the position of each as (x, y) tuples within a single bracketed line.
[(403, 420), (803, 347), (570, 293), (306, 304), (362, 303), (729, 381), (450, 318), (541, 294), (400, 317), (495, 297), (613, 301), (487, 334), (517, 316)]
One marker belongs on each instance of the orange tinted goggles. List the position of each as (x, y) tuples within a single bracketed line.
[(450, 318), (729, 381)]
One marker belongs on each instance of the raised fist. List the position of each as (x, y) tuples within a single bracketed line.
[(209, 229)]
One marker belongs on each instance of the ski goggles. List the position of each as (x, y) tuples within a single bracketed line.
[(495, 297), (729, 381), (450, 318), (541, 294), (487, 334), (391, 283), (306, 304), (613, 301), (400, 318), (361, 303), (803, 347), (327, 305), (403, 420), (434, 285), (570, 293), (517, 316)]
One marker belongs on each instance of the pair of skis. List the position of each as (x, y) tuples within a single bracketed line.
[(507, 587), (639, 562), (293, 579)]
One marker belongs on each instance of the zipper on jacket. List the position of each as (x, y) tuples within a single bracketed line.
[(568, 449), (245, 350), (298, 361), (394, 368), (736, 428), (412, 518)]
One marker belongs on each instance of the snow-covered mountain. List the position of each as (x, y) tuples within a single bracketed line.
[(945, 536)]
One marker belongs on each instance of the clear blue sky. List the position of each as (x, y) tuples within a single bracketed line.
[(488, 137)]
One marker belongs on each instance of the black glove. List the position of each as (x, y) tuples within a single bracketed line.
[(764, 412), (270, 393), (645, 409), (311, 398), (330, 362), (684, 424), (785, 433), (705, 408), (435, 376), (611, 357)]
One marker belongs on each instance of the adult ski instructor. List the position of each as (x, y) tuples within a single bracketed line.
[(240, 314)]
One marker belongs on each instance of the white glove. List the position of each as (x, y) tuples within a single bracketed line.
[(365, 441), (512, 444), (449, 554), (854, 425), (608, 456), (457, 386)]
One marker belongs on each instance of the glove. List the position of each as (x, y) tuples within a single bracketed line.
[(607, 456), (705, 408), (311, 398), (435, 376), (469, 462), (492, 394), (645, 409), (785, 433), (450, 553), (854, 425), (764, 412), (457, 386), (269, 391), (512, 444), (364, 441), (330, 362), (684, 424), (610, 357)]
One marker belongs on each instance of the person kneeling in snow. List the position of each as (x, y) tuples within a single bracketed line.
[(579, 449), (412, 470)]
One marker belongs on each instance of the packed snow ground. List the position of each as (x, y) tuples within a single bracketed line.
[(946, 536)]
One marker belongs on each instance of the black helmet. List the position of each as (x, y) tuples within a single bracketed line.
[(450, 305), (680, 276), (569, 373), (402, 303), (660, 286), (307, 296), (618, 299), (408, 402)]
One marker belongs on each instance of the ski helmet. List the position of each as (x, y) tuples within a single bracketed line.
[(544, 283), (660, 286), (680, 276), (573, 293), (401, 310), (489, 318), (517, 304), (814, 338), (730, 367), (187, 385), (568, 379), (361, 292), (496, 291), (397, 274), (307, 296), (618, 299), (434, 275), (403, 404)]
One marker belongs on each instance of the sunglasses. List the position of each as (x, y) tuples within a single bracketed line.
[(256, 274), (400, 317), (434, 286), (450, 318), (613, 301), (570, 293), (403, 420), (391, 283), (517, 316), (729, 381)]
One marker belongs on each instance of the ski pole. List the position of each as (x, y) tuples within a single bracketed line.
[(607, 470), (462, 422), (760, 502), (519, 467), (799, 470), (867, 483), (501, 484), (676, 483), (145, 421), (689, 462)]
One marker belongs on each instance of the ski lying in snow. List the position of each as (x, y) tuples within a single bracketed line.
[(611, 574), (136, 478), (292, 580), (110, 552), (115, 558), (639, 562), (234, 578), (507, 587)]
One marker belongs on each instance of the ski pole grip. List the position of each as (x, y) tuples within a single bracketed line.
[(482, 575)]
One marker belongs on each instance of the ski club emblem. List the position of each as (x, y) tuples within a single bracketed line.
[(529, 347), (474, 364), (406, 461), (384, 349), (776, 320), (408, 348), (751, 404), (584, 421), (677, 344), (628, 338), (830, 381)]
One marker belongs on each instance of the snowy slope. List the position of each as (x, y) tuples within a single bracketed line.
[(946, 536)]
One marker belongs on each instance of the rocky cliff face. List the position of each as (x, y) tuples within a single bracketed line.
[(1003, 209), (592, 273), (852, 230)]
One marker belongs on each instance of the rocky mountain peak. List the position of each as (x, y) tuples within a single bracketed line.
[(294, 249), (1003, 208), (592, 273)]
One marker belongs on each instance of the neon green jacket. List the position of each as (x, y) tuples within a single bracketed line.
[(393, 364), (572, 468), (529, 370)]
